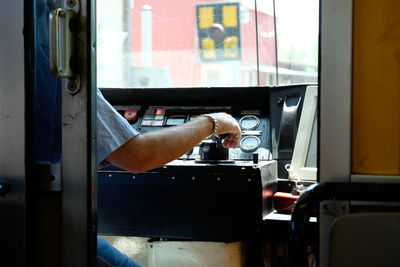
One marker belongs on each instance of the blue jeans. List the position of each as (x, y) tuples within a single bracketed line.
[(108, 256)]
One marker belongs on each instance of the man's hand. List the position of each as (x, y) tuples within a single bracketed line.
[(228, 125)]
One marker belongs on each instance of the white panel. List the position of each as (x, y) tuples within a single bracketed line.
[(335, 102), (335, 84), (298, 168)]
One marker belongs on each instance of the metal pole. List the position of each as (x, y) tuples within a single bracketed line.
[(276, 47), (258, 59), (127, 46)]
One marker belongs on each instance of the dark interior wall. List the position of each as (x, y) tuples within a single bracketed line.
[(12, 134)]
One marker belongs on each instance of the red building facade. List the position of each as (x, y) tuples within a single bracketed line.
[(175, 44)]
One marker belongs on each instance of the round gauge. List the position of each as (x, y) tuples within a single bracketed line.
[(249, 122), (250, 143)]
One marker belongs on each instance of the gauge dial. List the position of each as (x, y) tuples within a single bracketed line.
[(249, 122), (250, 143)]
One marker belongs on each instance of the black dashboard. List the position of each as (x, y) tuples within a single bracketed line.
[(189, 198)]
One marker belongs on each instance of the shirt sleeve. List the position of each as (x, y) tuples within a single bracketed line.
[(112, 130)]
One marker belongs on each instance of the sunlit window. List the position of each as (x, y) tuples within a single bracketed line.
[(201, 43), (297, 30)]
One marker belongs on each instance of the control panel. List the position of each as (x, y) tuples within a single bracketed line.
[(208, 193), (254, 124)]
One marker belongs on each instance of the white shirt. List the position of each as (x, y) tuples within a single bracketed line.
[(112, 130)]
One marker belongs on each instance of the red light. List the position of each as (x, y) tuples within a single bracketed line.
[(131, 115)]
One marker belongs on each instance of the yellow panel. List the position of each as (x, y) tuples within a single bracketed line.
[(231, 47), (229, 16), (376, 87), (206, 17), (208, 48)]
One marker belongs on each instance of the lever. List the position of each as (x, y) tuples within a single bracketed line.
[(219, 139), (223, 136)]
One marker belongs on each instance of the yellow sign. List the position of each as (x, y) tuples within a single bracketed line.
[(206, 17), (208, 46), (218, 27), (231, 47), (229, 16)]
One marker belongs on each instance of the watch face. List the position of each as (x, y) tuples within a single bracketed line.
[(249, 122)]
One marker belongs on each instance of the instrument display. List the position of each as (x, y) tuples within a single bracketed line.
[(249, 122), (253, 123), (250, 143)]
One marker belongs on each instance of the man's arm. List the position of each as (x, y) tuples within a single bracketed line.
[(156, 148)]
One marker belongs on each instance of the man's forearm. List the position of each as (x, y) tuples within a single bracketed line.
[(156, 148)]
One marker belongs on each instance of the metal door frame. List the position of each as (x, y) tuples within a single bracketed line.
[(335, 81), (67, 211), (79, 178)]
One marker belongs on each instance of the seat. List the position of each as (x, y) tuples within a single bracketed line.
[(365, 239), (356, 239)]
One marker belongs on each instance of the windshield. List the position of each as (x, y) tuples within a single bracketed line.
[(162, 44)]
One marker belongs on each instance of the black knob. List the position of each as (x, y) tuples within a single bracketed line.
[(255, 158)]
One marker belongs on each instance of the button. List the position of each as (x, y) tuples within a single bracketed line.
[(160, 111), (147, 123), (131, 115), (149, 114), (148, 117), (158, 123)]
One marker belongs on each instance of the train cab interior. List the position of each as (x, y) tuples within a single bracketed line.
[(313, 85)]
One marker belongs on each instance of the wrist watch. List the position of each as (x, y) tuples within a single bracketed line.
[(215, 125)]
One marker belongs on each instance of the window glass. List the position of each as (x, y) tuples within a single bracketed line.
[(200, 43), (297, 40)]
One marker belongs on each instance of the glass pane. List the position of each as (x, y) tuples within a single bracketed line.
[(200, 43), (297, 37), (266, 42)]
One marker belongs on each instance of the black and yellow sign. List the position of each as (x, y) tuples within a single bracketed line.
[(218, 27)]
